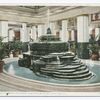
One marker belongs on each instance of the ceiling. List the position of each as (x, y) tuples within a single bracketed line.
[(36, 11)]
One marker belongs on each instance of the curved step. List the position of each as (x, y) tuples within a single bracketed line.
[(61, 70), (67, 73), (74, 77)]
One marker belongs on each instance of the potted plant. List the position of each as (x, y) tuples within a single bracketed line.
[(94, 48), (2, 54), (17, 47)]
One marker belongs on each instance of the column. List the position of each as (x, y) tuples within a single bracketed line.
[(45, 28), (53, 27), (34, 33), (64, 33), (24, 36), (97, 33), (4, 30), (11, 35), (83, 36), (72, 35), (24, 33), (40, 30), (29, 33)]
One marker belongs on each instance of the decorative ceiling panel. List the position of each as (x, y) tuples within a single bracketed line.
[(35, 10)]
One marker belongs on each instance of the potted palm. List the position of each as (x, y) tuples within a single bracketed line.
[(17, 46), (94, 52), (2, 54)]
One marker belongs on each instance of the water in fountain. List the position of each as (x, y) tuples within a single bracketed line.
[(11, 55), (58, 60), (68, 46), (28, 48), (11, 69)]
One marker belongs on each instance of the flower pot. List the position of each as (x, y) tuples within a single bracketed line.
[(95, 56), (1, 66), (16, 53)]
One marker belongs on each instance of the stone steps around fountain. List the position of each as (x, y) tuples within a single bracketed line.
[(69, 67), (72, 74), (64, 69), (55, 70), (74, 77), (78, 79), (75, 63), (66, 73)]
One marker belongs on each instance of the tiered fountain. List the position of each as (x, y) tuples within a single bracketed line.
[(62, 66), (49, 57)]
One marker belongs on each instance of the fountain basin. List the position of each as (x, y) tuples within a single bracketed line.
[(27, 74)]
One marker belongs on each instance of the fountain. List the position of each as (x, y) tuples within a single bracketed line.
[(65, 66), (50, 57), (11, 70), (28, 48)]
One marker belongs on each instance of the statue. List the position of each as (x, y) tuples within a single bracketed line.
[(48, 31)]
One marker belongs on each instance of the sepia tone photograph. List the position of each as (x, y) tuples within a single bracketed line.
[(49, 49)]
